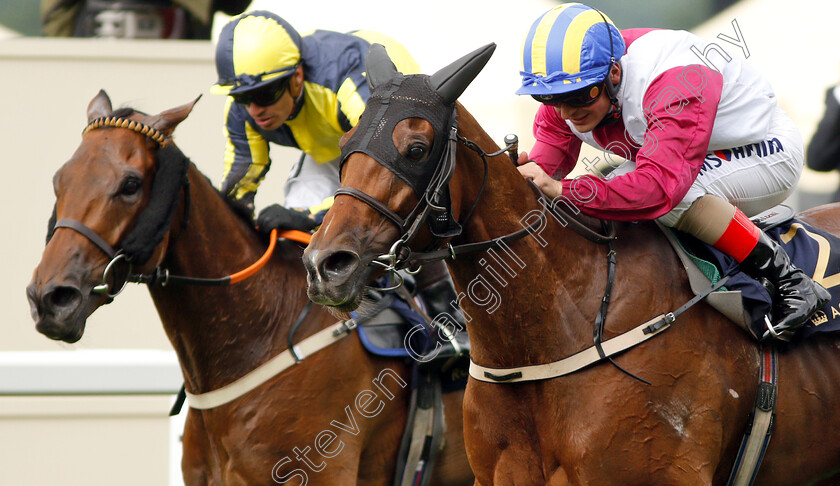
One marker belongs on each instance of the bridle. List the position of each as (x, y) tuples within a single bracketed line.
[(111, 285), (429, 204), (401, 257), (296, 352)]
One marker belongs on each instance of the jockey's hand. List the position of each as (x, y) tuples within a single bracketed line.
[(282, 218), (550, 187), (523, 158)]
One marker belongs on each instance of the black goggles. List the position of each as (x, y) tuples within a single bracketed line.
[(266, 96), (581, 97)]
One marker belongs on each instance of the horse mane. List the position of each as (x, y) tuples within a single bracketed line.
[(155, 220), (240, 209)]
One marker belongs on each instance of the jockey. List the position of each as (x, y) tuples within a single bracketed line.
[(705, 142), (303, 92), (298, 91)]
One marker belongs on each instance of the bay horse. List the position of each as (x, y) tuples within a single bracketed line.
[(534, 302), (221, 333)]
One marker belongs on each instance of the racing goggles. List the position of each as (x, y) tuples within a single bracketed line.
[(576, 99), (266, 96)]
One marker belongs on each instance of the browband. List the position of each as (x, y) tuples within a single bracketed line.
[(118, 122)]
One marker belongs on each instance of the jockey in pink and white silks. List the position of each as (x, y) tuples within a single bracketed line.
[(705, 142)]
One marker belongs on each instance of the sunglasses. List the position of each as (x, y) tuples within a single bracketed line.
[(576, 99), (265, 96)]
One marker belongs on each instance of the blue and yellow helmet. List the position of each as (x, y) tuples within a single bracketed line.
[(255, 49), (568, 48)]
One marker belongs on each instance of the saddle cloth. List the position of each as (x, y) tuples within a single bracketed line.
[(397, 326), (744, 300)]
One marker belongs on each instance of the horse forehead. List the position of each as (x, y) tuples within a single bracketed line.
[(102, 158), (114, 149)]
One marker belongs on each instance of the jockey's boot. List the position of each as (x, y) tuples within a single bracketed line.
[(797, 295), (441, 302), (722, 225)]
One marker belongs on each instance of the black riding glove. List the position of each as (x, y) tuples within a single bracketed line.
[(281, 218)]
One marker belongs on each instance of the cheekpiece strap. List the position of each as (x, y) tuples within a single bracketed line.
[(136, 126)]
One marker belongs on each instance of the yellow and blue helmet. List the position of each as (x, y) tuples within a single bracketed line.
[(253, 50), (568, 48)]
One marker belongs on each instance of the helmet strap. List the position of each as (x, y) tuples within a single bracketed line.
[(614, 114), (612, 90)]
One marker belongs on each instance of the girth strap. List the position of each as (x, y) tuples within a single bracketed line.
[(423, 433), (760, 427)]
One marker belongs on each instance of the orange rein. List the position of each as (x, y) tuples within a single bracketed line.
[(293, 235)]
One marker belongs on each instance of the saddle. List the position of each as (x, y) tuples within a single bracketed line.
[(746, 301)]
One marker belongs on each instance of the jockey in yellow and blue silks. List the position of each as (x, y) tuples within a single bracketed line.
[(706, 146), (298, 91), (304, 92)]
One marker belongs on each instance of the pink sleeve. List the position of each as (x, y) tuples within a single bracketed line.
[(680, 107), (557, 148)]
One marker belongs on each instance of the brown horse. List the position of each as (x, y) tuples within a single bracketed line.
[(534, 302), (336, 418)]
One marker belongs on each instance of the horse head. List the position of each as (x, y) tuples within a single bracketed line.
[(121, 218), (396, 168)]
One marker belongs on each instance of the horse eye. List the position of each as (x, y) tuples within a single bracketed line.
[(130, 187), (416, 152)]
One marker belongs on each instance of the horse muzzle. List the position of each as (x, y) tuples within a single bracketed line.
[(58, 311), (335, 278)]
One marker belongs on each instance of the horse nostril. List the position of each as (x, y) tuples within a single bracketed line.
[(339, 264), (63, 297)]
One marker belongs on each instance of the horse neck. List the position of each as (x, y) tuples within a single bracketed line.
[(524, 293), (221, 332)]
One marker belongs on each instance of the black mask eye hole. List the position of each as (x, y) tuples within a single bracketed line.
[(416, 152), (131, 186)]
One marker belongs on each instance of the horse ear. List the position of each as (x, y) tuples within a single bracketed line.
[(99, 106), (166, 121), (453, 79), (379, 66)]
